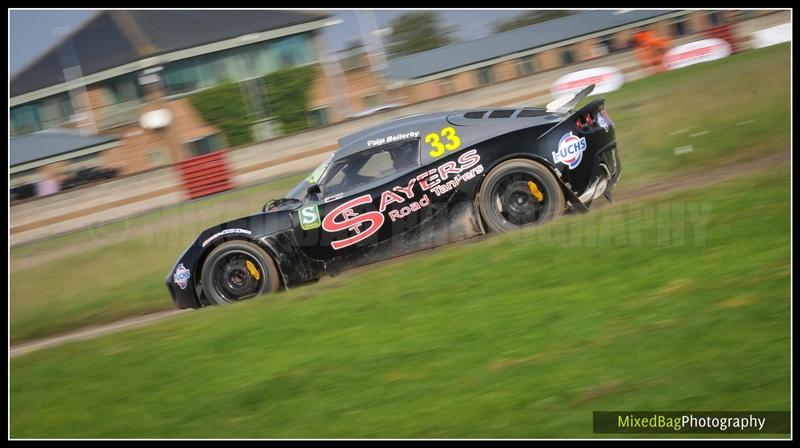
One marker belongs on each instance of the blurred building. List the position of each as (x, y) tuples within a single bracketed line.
[(130, 75), (119, 65), (540, 47), (44, 157)]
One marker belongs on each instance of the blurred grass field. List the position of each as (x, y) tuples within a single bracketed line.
[(437, 345), (110, 272)]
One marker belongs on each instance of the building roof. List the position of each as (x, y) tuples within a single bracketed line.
[(52, 143), (113, 38), (538, 35)]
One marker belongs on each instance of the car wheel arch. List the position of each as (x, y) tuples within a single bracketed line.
[(528, 156), (218, 242), (538, 161)]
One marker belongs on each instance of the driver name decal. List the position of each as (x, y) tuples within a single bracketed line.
[(392, 138)]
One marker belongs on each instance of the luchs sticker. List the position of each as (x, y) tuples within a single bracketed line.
[(570, 150), (181, 276)]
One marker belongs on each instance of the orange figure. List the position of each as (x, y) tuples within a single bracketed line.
[(650, 49)]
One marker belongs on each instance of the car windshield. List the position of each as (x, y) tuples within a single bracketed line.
[(368, 166), (299, 192), (359, 169)]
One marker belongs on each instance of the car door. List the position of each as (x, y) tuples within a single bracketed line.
[(368, 203)]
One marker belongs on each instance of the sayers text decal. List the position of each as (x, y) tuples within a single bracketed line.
[(343, 217), (437, 181)]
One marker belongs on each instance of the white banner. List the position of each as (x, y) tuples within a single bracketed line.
[(771, 36), (605, 79), (696, 52)]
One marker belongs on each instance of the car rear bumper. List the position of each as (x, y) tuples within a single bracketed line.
[(605, 174)]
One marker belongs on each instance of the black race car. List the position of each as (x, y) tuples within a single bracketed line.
[(88, 175), (412, 183)]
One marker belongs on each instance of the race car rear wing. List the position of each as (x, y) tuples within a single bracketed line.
[(567, 103)]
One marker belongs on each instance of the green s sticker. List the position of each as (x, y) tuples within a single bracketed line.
[(309, 217)]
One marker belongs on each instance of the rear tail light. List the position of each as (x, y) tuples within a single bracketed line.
[(588, 122)]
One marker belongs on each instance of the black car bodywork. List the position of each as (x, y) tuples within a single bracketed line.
[(87, 175), (421, 203)]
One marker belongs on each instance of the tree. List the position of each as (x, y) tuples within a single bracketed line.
[(529, 18), (289, 92), (224, 107), (418, 31)]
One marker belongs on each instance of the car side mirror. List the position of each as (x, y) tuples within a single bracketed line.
[(314, 189)]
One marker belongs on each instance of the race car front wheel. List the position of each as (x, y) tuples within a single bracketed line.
[(517, 193), (238, 270)]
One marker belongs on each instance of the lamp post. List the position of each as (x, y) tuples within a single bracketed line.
[(79, 97), (333, 71), (373, 42), (383, 65)]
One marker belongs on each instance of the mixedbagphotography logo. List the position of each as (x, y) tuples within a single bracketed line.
[(691, 422)]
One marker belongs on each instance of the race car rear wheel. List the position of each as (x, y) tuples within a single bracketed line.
[(517, 193), (238, 270)]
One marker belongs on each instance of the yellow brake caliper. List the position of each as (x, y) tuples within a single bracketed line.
[(535, 191), (253, 271)]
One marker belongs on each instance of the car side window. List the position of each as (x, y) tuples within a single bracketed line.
[(371, 165)]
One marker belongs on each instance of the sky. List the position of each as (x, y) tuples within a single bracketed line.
[(34, 31)]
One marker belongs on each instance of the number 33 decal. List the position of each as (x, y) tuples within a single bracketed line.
[(453, 142)]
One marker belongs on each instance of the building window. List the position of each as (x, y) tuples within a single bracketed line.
[(293, 51), (124, 89), (626, 44), (55, 111), (371, 101), (249, 62), (255, 98), (318, 117), (205, 145), (447, 85), (567, 57), (50, 112), (680, 28), (24, 120), (219, 68), (187, 76), (485, 75), (239, 64), (156, 157), (525, 66), (606, 46), (715, 18)]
